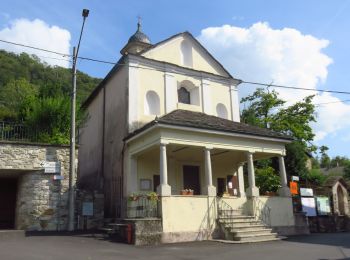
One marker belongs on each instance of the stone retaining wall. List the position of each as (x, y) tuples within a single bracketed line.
[(42, 202)]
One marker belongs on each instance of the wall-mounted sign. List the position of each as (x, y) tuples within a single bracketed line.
[(58, 177), (88, 208), (323, 206), (51, 167), (295, 178), (305, 192), (293, 187), (309, 206)]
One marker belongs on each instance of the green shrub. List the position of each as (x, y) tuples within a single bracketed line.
[(267, 180)]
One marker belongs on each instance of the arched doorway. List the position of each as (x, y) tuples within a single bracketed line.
[(340, 195)]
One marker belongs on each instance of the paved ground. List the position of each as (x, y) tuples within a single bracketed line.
[(37, 247)]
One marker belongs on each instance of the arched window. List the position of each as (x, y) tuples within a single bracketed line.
[(184, 95), (221, 111), (186, 53), (152, 103)]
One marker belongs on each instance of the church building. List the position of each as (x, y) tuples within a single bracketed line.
[(166, 119)]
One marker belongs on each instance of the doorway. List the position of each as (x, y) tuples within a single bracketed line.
[(191, 178), (221, 184), (8, 196)]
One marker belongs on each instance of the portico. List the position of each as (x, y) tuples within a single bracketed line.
[(165, 151)]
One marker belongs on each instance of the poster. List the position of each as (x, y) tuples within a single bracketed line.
[(293, 188), (323, 205), (306, 192), (309, 206)]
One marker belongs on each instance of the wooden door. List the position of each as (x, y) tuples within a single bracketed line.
[(191, 178)]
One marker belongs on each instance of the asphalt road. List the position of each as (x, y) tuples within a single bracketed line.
[(63, 246)]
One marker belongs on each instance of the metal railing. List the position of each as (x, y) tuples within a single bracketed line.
[(261, 211), (224, 209), (10, 131), (142, 207)]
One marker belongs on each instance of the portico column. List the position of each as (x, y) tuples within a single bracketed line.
[(252, 190), (163, 189), (210, 190), (284, 191), (240, 181)]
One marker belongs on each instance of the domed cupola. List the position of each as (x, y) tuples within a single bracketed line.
[(137, 42)]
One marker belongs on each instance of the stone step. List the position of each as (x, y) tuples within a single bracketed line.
[(256, 232), (255, 237), (234, 212), (247, 228), (236, 217), (240, 223)]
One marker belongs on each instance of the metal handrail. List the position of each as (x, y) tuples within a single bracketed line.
[(224, 209), (261, 211)]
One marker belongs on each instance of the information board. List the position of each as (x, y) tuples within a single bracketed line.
[(309, 206), (323, 206)]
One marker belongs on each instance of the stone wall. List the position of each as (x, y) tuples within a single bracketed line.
[(42, 202)]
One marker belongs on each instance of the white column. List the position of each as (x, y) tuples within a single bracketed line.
[(131, 185), (234, 103), (133, 95), (241, 181), (163, 189), (284, 191), (210, 190), (252, 190), (170, 92), (206, 98)]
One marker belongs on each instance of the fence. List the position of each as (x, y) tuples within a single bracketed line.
[(10, 131), (142, 207)]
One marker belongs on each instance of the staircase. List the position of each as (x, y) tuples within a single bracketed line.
[(243, 228)]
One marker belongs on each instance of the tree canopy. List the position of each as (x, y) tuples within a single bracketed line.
[(266, 109), (38, 95)]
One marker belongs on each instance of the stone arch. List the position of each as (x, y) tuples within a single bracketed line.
[(152, 103), (186, 54), (188, 93), (221, 111)]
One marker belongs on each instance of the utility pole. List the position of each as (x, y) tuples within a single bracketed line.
[(72, 164)]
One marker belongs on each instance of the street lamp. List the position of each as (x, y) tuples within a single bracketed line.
[(72, 167)]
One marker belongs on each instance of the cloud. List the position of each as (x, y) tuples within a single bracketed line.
[(282, 56), (38, 34)]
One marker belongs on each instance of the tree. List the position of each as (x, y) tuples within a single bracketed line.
[(325, 161), (267, 180), (267, 110), (15, 97)]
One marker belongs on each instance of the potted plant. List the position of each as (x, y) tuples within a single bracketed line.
[(187, 192), (152, 196), (133, 197)]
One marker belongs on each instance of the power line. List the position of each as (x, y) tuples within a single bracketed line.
[(298, 88), (36, 48), (123, 64)]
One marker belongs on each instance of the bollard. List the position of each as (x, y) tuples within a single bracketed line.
[(129, 233)]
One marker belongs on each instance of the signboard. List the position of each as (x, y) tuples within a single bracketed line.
[(51, 167), (305, 192), (323, 206), (293, 188), (58, 177), (309, 206), (295, 178), (88, 208)]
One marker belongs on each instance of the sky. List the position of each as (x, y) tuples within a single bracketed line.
[(295, 43)]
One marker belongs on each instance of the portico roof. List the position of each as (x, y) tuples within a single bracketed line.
[(190, 119)]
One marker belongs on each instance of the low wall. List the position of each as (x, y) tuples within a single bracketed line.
[(188, 218)]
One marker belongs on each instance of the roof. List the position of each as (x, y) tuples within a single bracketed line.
[(139, 36), (123, 58), (200, 120), (332, 180), (195, 40)]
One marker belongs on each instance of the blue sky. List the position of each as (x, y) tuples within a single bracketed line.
[(111, 23)]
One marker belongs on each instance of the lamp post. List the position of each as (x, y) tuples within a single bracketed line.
[(72, 165)]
